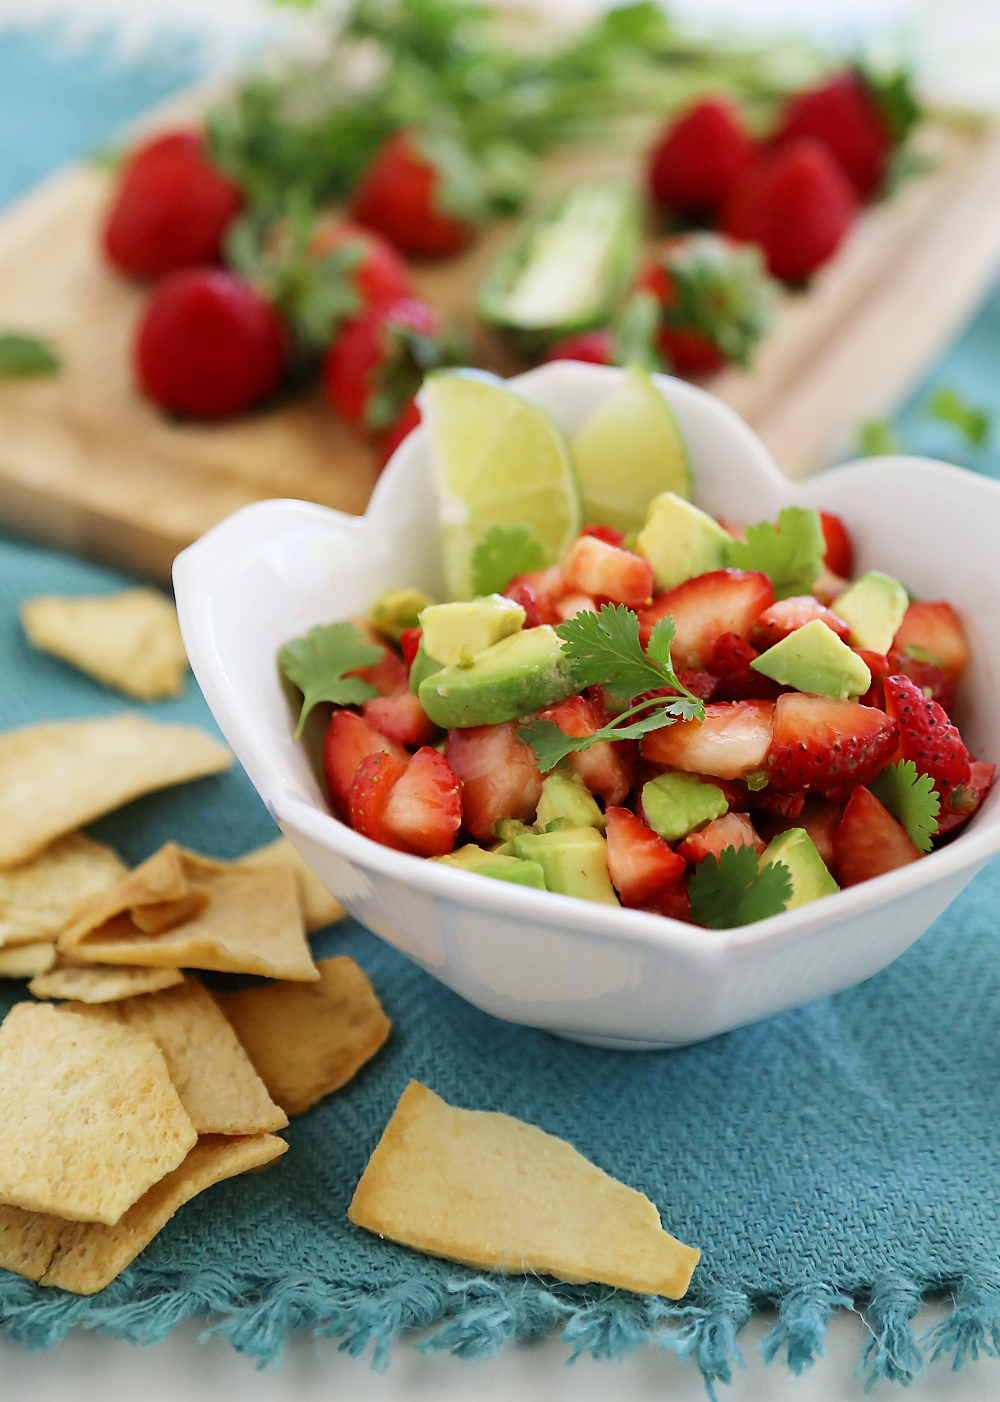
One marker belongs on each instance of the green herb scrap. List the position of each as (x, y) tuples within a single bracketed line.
[(503, 553), (791, 552), (731, 890), (318, 665), (23, 356), (877, 438), (911, 798), (948, 405)]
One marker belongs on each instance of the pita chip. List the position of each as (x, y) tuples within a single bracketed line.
[(27, 960), (83, 1257), (89, 1117), (54, 778), (39, 900), (99, 983), (130, 641), (318, 907), (498, 1194), (182, 910), (307, 1040)]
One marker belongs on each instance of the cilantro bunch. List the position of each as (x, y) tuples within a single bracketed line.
[(732, 890)]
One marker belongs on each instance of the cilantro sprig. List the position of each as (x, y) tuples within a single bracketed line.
[(791, 552), (503, 553), (318, 665), (730, 890), (23, 356), (911, 798)]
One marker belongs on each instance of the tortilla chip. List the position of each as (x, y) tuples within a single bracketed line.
[(318, 907), (244, 921), (83, 1257), (54, 778), (307, 1042), (498, 1194), (89, 1118), (39, 900), (130, 641), (101, 983), (27, 960)]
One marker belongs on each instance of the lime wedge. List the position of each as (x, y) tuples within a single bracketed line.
[(628, 452), (498, 461)]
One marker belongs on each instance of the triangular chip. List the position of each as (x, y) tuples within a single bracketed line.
[(83, 1257), (27, 960), (498, 1194), (181, 910), (100, 983), (39, 900), (89, 1118), (307, 1041), (55, 778), (130, 641), (318, 907)]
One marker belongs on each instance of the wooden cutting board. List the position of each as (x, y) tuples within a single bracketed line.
[(87, 465)]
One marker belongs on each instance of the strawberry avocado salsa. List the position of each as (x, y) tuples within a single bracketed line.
[(706, 723)]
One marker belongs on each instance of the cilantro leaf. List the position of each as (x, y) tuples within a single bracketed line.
[(603, 649), (503, 553), (791, 552), (318, 663), (949, 406), (21, 356), (876, 438), (550, 745), (910, 797), (731, 891)]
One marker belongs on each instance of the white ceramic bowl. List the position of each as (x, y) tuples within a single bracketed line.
[(613, 977)]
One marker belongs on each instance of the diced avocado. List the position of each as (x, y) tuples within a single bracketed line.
[(680, 541), (496, 865), (397, 610), (565, 795), (506, 829), (810, 877), (814, 659), (675, 804), (874, 607), (455, 633), (574, 862), (523, 673), (421, 668)]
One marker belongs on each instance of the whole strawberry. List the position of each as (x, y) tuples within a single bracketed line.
[(376, 273), (592, 347), (171, 209), (208, 345), (422, 193), (796, 203), (697, 158), (927, 736)]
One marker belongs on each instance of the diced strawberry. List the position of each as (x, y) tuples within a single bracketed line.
[(424, 809), (828, 587), (673, 901), (731, 830), (409, 643), (597, 568), (699, 683), (927, 736), (879, 667), (735, 679), (606, 533), (869, 841), (640, 863), (497, 773), (981, 779), (524, 595), (781, 805), (818, 816), (369, 797), (348, 740), (389, 677), (820, 743), (934, 633), (839, 557), (401, 718), (933, 681), (787, 615), (703, 608), (572, 604), (546, 587), (602, 768), (730, 743)]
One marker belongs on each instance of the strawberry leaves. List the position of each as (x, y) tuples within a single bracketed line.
[(318, 665), (730, 890), (911, 798), (791, 552)]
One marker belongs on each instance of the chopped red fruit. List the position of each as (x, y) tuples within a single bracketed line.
[(699, 683), (703, 608), (782, 805), (409, 644), (927, 736), (498, 776), (981, 779), (639, 862), (933, 681), (602, 768), (389, 676), (401, 717), (546, 586), (369, 796), (731, 830), (879, 667), (818, 816), (933, 633), (596, 568), (572, 604), (730, 743), (869, 841), (424, 808), (606, 533), (698, 156), (839, 557), (524, 595), (845, 116), (787, 615), (736, 680), (673, 902), (348, 740), (592, 347), (828, 587), (404, 194), (820, 743)]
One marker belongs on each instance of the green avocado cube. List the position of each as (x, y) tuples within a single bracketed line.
[(810, 877), (522, 673), (680, 541), (421, 668), (676, 804), (874, 607), (397, 610), (455, 633), (574, 862), (565, 795), (814, 659), (496, 865)]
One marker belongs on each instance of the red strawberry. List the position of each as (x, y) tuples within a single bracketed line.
[(730, 743), (376, 776), (171, 208), (572, 604), (673, 902), (424, 808), (401, 718), (787, 615), (819, 743), (796, 203), (498, 776), (731, 830), (927, 736), (406, 195), (703, 608), (878, 666), (596, 568), (208, 345), (932, 681), (542, 589), (378, 274), (934, 633), (402, 428), (845, 116), (606, 533), (409, 644), (736, 681), (839, 558), (698, 156), (640, 863), (602, 768), (348, 740), (817, 815), (869, 841), (981, 779), (389, 677), (699, 683), (592, 347)]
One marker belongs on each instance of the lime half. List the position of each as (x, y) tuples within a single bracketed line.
[(498, 461), (628, 452)]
